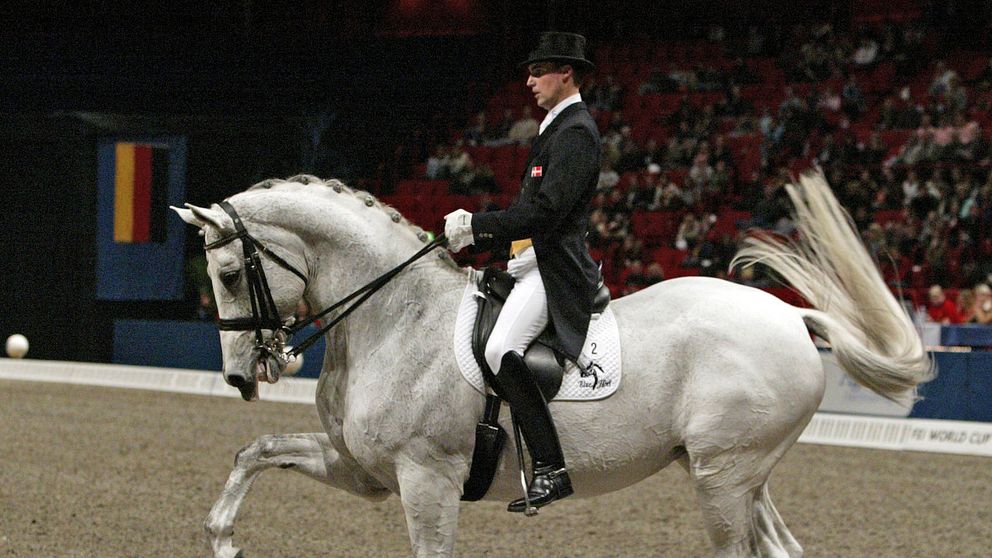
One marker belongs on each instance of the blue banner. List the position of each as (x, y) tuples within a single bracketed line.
[(134, 197)]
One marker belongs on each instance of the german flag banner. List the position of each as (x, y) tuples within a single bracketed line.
[(140, 246)]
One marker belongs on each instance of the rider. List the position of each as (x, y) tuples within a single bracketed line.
[(545, 229)]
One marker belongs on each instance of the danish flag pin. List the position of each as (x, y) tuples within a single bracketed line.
[(535, 172)]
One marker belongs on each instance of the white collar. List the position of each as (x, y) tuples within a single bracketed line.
[(553, 113)]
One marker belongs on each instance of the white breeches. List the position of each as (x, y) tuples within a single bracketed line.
[(525, 313)]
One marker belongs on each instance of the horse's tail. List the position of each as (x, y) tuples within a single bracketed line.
[(871, 335)]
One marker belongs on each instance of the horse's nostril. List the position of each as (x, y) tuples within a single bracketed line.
[(236, 380)]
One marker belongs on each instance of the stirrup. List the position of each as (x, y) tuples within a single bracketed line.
[(548, 485)]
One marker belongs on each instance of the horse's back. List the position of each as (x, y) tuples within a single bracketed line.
[(704, 310)]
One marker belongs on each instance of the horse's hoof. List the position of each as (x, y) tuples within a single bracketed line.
[(240, 554)]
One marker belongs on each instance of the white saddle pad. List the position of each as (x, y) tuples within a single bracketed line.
[(602, 349)]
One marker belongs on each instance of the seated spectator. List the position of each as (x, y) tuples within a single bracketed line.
[(670, 197), (735, 104), (941, 309), (458, 161), (477, 132), (484, 181), (829, 101), (866, 54), (982, 312), (679, 150), (966, 306), (942, 78), (524, 129), (943, 135), (720, 152), (968, 141), (499, 133), (690, 233), (438, 163), (631, 250), (700, 173), (604, 96), (633, 277), (652, 153), (719, 184), (955, 99), (654, 273), (659, 82), (461, 183), (603, 232), (608, 178), (852, 100), (918, 148), (641, 195)]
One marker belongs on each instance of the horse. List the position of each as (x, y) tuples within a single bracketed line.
[(720, 377)]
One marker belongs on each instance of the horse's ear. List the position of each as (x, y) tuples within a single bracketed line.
[(201, 216), (187, 216)]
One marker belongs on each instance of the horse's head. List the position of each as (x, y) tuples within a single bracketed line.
[(258, 271)]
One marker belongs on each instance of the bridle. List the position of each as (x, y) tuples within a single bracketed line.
[(265, 315)]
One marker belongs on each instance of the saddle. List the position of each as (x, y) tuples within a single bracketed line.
[(544, 360), (542, 357)]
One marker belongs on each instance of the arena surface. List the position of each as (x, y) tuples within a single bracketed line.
[(91, 471)]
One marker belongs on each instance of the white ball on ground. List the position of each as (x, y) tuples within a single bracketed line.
[(293, 366), (17, 346)]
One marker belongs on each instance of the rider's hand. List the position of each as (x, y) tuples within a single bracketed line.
[(458, 229)]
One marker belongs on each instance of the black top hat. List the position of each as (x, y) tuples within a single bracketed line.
[(569, 48)]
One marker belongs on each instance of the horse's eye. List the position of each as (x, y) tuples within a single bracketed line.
[(230, 278)]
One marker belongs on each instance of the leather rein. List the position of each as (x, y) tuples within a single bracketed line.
[(265, 315)]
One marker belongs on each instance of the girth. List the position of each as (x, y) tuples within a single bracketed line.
[(542, 357)]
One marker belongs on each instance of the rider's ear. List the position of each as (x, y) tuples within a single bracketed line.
[(201, 216)]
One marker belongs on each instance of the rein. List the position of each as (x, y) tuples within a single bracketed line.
[(263, 308)]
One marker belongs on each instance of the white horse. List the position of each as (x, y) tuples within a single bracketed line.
[(719, 377)]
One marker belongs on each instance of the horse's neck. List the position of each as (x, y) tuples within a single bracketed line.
[(397, 327)]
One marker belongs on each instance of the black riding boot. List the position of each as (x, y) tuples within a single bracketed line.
[(550, 481)]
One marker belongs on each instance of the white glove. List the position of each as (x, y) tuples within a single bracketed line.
[(458, 229)]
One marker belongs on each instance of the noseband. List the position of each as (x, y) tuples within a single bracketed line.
[(265, 315)]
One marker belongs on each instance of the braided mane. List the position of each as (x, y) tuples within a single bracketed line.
[(334, 186)]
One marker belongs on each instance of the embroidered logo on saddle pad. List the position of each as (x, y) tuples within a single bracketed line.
[(602, 348)]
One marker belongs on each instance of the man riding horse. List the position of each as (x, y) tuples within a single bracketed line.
[(544, 231)]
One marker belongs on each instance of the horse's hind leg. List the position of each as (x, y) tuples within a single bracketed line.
[(732, 486), (309, 454)]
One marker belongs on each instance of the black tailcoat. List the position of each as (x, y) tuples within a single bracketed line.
[(552, 209)]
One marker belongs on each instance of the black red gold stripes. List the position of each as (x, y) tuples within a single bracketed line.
[(140, 187)]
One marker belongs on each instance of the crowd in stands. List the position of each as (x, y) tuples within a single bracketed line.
[(699, 138)]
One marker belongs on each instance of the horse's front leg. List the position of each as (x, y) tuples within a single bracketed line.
[(309, 454), (431, 488)]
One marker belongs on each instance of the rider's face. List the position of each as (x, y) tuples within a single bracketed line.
[(547, 81)]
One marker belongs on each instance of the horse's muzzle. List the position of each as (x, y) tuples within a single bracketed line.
[(247, 386)]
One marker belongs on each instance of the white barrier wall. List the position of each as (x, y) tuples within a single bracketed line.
[(289, 390), (889, 433)]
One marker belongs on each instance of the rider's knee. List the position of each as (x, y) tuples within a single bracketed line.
[(495, 349)]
